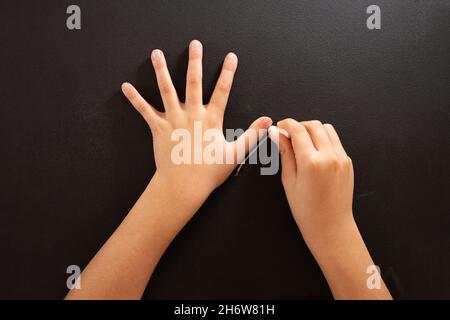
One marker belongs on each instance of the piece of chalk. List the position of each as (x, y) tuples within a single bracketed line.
[(275, 129)]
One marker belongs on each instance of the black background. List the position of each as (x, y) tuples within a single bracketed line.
[(75, 155)]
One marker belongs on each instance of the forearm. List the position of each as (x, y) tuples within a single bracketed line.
[(344, 259), (123, 266)]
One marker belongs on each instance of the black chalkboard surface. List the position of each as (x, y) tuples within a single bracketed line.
[(75, 155)]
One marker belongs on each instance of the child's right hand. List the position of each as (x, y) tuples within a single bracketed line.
[(317, 176)]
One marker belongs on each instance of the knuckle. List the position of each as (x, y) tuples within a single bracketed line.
[(300, 128), (289, 124), (160, 66), (332, 162), (348, 162), (328, 163), (223, 87), (290, 121), (285, 121), (165, 88), (143, 110), (315, 123), (140, 106), (312, 162), (195, 80)]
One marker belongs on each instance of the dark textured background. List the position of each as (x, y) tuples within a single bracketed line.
[(75, 155)]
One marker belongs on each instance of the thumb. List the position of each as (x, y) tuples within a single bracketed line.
[(250, 137)]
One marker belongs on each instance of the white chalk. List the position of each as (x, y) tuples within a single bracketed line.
[(275, 129)]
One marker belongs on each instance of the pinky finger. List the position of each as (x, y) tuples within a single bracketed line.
[(334, 137)]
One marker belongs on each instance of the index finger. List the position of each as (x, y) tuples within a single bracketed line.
[(301, 141)]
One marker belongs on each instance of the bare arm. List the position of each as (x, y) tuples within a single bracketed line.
[(317, 176), (123, 266)]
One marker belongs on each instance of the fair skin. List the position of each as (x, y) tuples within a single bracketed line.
[(316, 173), (317, 176)]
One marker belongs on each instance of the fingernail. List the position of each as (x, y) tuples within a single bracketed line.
[(195, 44), (231, 56), (156, 55), (125, 86), (273, 135), (266, 121)]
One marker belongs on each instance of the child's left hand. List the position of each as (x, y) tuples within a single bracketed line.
[(193, 180)]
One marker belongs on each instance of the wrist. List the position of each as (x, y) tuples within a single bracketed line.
[(332, 237), (178, 192), (344, 260), (344, 241)]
